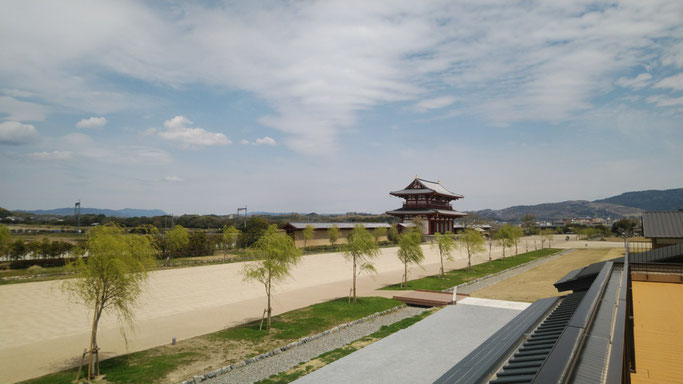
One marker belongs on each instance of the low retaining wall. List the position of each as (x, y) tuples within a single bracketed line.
[(277, 351)]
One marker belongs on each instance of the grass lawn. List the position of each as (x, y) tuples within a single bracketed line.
[(328, 357), (202, 354), (459, 276)]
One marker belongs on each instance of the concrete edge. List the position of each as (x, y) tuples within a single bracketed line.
[(483, 278), (277, 351)]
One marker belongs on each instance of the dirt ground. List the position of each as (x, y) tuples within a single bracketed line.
[(537, 283)]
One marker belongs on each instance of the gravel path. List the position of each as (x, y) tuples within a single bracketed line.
[(265, 368), (506, 274)]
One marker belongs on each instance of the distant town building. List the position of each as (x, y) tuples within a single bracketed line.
[(427, 204), (663, 228), (320, 234)]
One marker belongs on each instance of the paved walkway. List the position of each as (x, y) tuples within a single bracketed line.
[(424, 351)]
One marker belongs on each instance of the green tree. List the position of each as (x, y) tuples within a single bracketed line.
[(276, 256), (360, 250), (503, 237), (333, 233), (199, 244), (529, 224), (623, 226), (5, 240), (446, 245), (308, 232), (393, 234), (473, 242), (178, 239), (229, 237), (17, 249), (410, 251), (111, 278), (378, 233), (255, 228), (514, 234)]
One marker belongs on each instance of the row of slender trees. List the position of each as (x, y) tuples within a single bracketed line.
[(110, 279), (18, 249)]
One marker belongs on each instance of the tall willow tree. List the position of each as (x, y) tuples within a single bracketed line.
[(360, 250), (277, 256), (309, 233), (446, 245), (333, 233), (473, 242), (111, 277), (410, 251)]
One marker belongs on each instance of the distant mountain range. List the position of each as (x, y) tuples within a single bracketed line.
[(126, 212), (625, 205)]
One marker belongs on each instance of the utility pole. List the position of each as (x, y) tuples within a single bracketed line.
[(245, 215), (77, 213)]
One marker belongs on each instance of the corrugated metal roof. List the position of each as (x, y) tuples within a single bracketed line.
[(658, 255), (528, 359), (481, 363), (582, 278), (339, 225), (663, 224)]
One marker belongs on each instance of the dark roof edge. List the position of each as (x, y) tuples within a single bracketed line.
[(557, 367)]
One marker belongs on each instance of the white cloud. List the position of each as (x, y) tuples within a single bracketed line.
[(638, 82), (178, 129), (16, 133), (85, 146), (92, 122), (267, 140), (673, 82), (318, 64), (54, 155), (244, 141), (665, 101), (21, 110), (173, 179), (435, 103)]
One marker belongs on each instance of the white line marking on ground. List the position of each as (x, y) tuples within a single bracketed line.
[(494, 303)]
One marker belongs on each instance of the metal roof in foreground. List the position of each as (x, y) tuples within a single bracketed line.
[(578, 338), (663, 224)]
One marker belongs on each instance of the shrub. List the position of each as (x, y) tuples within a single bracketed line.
[(35, 269)]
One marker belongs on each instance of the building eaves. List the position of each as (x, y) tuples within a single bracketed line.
[(300, 225), (438, 188)]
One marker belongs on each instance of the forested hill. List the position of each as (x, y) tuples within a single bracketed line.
[(667, 200), (126, 212), (559, 211), (624, 205)]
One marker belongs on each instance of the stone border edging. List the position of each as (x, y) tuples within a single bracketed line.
[(277, 351), (504, 271)]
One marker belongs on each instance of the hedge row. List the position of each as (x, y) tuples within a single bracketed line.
[(24, 264)]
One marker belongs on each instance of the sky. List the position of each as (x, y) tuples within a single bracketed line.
[(327, 106)]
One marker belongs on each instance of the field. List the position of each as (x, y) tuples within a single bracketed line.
[(537, 283)]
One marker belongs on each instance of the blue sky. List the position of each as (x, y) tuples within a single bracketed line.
[(326, 106)]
